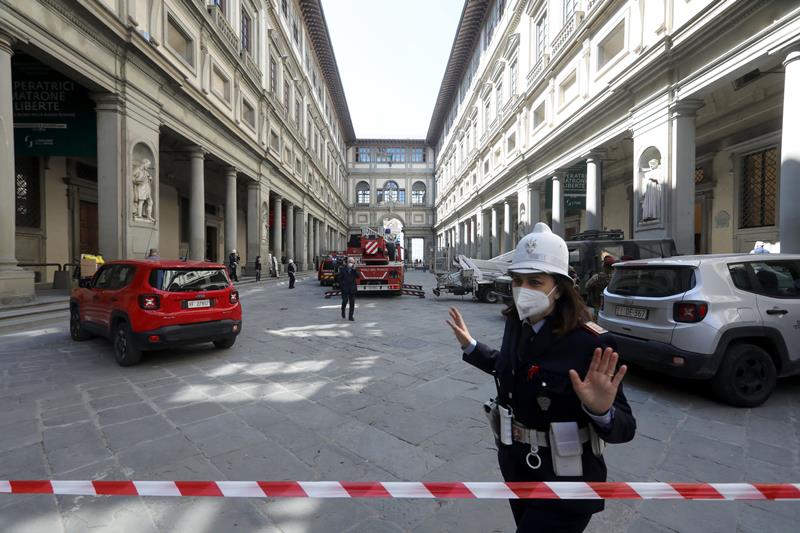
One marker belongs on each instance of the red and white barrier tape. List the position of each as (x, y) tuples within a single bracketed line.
[(549, 490)]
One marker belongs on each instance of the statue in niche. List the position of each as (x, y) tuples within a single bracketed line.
[(264, 224), (651, 192), (143, 190)]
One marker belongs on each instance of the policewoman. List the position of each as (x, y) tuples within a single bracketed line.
[(559, 389)]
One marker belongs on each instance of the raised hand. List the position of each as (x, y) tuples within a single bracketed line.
[(598, 389), (459, 328)]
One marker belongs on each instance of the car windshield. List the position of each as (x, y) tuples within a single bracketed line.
[(652, 282), (184, 279)]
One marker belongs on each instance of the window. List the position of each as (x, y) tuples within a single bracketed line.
[(612, 45), (247, 23), (498, 97), (179, 41), (274, 141), (298, 165), (418, 193), (362, 193), (487, 113), (296, 31), (777, 279), (28, 199), (391, 192), (511, 144), (417, 155), (248, 113), (568, 89), (273, 76), (740, 276), (569, 9), (298, 119), (220, 84), (541, 36), (512, 73), (285, 7), (475, 131), (287, 96), (759, 190), (538, 116), (653, 282)]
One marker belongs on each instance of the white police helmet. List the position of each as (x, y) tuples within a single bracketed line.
[(541, 251)]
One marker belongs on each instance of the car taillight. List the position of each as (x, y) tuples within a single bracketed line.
[(689, 311), (149, 302), (234, 297)]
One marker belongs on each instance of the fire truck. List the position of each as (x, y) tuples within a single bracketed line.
[(379, 260), (328, 267)]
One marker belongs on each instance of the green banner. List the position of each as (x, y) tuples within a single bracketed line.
[(574, 183), (53, 115)]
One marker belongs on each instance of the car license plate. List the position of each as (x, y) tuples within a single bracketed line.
[(195, 304), (632, 312)]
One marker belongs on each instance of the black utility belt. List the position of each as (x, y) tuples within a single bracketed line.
[(526, 435)]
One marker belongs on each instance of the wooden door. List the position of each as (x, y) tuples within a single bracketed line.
[(88, 229)]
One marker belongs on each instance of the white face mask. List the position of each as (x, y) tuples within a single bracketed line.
[(531, 302)]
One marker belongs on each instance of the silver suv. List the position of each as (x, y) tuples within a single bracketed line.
[(734, 319)]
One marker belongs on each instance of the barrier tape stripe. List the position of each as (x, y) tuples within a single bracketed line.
[(548, 490)]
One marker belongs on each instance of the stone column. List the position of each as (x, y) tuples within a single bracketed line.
[(197, 208), (323, 240), (507, 244), (535, 210), (290, 232), (485, 232), (683, 164), (277, 238), (594, 188), (254, 227), (111, 176), (789, 187), (230, 211), (300, 242), (317, 239), (558, 206), (495, 250), (16, 285)]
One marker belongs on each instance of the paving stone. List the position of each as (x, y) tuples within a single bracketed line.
[(115, 401), (124, 413), (193, 413), (125, 435), (156, 453)]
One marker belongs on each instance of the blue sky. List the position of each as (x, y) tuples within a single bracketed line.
[(391, 56)]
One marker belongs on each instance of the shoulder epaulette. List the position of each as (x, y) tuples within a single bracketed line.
[(594, 328)]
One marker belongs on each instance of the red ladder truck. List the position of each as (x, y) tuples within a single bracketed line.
[(380, 264)]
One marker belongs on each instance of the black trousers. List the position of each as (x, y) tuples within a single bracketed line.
[(349, 297), (540, 520), (232, 269), (258, 275), (291, 280)]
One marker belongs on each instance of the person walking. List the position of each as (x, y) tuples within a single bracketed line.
[(598, 283), (560, 396), (290, 269), (233, 261), (258, 268), (347, 284)]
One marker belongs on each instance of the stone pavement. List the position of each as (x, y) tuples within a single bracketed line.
[(304, 395)]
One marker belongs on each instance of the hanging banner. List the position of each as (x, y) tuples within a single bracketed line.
[(53, 115), (574, 183)]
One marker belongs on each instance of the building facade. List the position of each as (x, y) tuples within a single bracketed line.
[(391, 184), (664, 119), (192, 126)]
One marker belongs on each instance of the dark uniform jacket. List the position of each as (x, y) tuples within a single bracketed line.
[(347, 279), (233, 259), (530, 366), (291, 268)]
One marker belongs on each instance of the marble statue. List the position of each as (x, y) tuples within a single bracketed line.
[(143, 190)]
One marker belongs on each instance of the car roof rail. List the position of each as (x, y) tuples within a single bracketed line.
[(596, 235)]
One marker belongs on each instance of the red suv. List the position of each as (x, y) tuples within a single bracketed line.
[(150, 305)]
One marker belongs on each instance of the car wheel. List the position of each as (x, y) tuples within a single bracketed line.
[(746, 376), (124, 351), (224, 344), (489, 296), (76, 330)]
